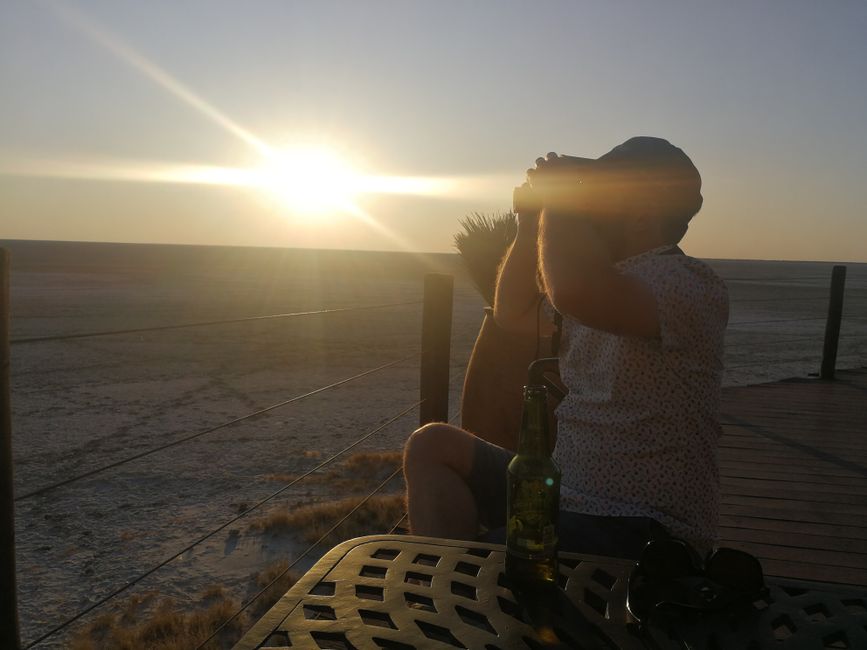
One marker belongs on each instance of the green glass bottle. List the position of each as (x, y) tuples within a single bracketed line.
[(533, 502)]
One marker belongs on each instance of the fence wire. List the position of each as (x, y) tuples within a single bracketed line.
[(134, 581), (739, 301), (397, 523), (223, 425), (159, 328), (783, 320)]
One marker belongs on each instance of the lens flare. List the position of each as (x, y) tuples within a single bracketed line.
[(309, 181)]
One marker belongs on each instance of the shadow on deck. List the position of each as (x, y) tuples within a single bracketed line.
[(793, 468)]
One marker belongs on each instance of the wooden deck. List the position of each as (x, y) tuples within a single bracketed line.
[(793, 465)]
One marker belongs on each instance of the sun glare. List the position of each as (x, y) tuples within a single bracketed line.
[(307, 182), (310, 181)]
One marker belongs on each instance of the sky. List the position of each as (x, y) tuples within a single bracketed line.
[(182, 122)]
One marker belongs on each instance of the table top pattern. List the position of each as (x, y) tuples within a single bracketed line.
[(404, 593)]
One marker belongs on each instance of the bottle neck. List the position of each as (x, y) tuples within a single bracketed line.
[(533, 437)]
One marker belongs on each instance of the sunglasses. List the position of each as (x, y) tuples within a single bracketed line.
[(670, 579)]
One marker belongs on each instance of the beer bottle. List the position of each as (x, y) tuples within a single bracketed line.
[(533, 500)]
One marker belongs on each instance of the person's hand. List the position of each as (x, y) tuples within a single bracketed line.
[(555, 169), (527, 207), (556, 180)]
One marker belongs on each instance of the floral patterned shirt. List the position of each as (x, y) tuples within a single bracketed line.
[(638, 430)]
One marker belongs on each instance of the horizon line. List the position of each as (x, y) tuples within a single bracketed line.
[(372, 250)]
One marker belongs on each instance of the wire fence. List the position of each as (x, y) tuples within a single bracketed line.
[(199, 434), (162, 328), (748, 346), (128, 584), (299, 558), (134, 581), (325, 536), (795, 334)]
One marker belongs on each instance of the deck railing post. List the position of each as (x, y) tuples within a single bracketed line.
[(832, 324), (9, 637), (436, 336)]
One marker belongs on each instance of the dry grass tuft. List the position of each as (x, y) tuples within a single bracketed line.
[(358, 473), (166, 627), (482, 244), (380, 462), (142, 622), (214, 592), (377, 515)]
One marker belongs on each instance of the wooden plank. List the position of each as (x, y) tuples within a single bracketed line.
[(811, 515), (776, 448), (796, 539), (858, 512), (795, 459), (835, 431), (852, 495), (812, 483), (849, 484), (788, 460), (810, 423), (790, 485), (741, 411), (809, 449), (840, 432), (813, 572), (765, 465), (770, 475), (779, 403), (752, 422), (821, 557), (793, 474), (807, 452), (814, 469), (760, 472), (831, 502), (747, 412), (765, 446), (789, 527), (814, 474), (809, 446), (842, 459), (746, 416), (793, 428)]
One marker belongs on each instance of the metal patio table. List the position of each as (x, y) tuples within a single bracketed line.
[(401, 592)]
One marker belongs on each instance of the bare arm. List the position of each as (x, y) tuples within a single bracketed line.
[(516, 300), (582, 282)]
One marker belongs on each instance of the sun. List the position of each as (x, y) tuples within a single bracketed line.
[(310, 181)]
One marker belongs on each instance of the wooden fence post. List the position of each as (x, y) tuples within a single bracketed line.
[(832, 325), (436, 336), (9, 637)]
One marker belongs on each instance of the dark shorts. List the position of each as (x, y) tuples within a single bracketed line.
[(579, 533)]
